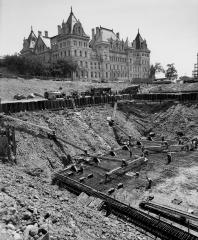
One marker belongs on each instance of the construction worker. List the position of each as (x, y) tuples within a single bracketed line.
[(149, 183), (180, 141), (139, 144), (169, 158), (166, 144), (149, 138), (69, 159), (130, 145), (142, 148), (85, 152), (111, 123)]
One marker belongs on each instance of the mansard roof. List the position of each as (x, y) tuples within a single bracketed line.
[(106, 34)]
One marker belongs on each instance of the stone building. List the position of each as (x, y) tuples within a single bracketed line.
[(103, 57)]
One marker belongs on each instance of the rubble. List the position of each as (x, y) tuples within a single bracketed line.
[(31, 206)]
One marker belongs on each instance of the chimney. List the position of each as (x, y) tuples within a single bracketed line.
[(46, 34), (93, 33), (118, 35), (39, 33), (97, 30), (59, 29)]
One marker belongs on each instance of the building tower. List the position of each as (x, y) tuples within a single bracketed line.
[(72, 44)]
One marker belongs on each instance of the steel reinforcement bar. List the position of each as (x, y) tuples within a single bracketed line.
[(149, 223)]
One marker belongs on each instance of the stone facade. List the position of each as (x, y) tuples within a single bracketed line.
[(103, 57)]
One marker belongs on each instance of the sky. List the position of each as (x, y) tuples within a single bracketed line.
[(169, 26)]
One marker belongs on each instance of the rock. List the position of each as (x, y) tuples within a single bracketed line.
[(12, 210), (43, 228), (35, 197), (10, 226), (36, 237), (27, 215), (54, 220), (33, 230), (47, 215), (17, 236)]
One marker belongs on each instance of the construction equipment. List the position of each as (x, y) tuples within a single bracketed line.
[(131, 90), (112, 122), (53, 95)]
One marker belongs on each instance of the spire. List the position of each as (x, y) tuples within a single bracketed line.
[(71, 10), (138, 40), (31, 28)]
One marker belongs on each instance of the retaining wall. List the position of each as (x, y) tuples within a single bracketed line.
[(12, 107)]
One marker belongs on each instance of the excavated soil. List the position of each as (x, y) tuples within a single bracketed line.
[(29, 183)]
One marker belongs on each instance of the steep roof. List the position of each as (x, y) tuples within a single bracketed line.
[(138, 40), (107, 34), (32, 39), (71, 21), (46, 41)]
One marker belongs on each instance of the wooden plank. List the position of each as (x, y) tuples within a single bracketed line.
[(26, 123)]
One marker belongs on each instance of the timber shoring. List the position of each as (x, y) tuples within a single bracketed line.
[(58, 104)]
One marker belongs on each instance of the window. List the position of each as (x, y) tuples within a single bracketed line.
[(80, 53), (85, 54), (81, 63), (69, 53), (65, 53), (91, 74), (95, 74), (75, 53), (86, 65), (106, 66), (106, 74)]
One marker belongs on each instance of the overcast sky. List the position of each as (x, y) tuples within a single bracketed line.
[(169, 26)]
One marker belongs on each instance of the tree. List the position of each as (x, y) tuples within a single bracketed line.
[(155, 69), (63, 68), (171, 72)]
